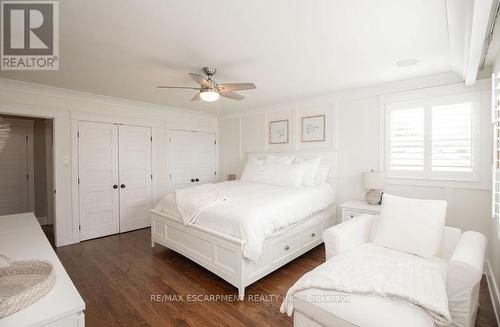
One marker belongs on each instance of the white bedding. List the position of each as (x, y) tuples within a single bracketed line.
[(253, 211), (192, 201), (375, 270)]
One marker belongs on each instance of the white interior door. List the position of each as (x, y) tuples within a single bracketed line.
[(14, 194), (135, 177), (205, 157), (181, 159), (98, 176)]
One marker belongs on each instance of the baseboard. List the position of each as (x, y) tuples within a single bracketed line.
[(494, 293)]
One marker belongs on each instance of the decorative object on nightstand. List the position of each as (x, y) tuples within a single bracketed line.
[(353, 209), (374, 182), (231, 177)]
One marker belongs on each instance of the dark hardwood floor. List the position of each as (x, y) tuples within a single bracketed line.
[(49, 233), (117, 277)]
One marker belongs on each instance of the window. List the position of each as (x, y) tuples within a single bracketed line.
[(407, 139), (495, 117), (452, 137), (434, 139)]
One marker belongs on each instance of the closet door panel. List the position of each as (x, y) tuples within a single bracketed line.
[(98, 173), (135, 177), (181, 159), (205, 154), (13, 170)]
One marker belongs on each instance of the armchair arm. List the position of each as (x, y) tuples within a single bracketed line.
[(347, 235), (465, 270), (470, 250)]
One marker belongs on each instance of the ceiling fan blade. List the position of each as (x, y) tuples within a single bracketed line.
[(228, 87), (232, 95), (196, 97), (176, 87), (200, 80)]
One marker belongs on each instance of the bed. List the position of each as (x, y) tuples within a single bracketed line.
[(223, 240)]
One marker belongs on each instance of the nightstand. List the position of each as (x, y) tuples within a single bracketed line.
[(353, 209)]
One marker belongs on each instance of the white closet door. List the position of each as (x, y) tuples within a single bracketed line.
[(181, 159), (13, 170), (135, 177), (98, 173), (205, 157)]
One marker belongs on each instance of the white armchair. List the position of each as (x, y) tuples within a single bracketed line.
[(465, 253)]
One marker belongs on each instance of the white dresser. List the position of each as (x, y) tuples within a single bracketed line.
[(353, 209), (22, 238)]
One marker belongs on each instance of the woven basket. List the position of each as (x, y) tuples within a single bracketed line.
[(22, 283)]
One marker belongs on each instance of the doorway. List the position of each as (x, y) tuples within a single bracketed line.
[(26, 169)]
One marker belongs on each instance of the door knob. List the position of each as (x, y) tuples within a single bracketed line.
[(197, 180), (115, 186), (192, 180), (122, 186)]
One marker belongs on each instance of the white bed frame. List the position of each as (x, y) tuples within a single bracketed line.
[(223, 254)]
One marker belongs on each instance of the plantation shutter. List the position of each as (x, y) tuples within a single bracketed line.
[(452, 138), (407, 139), (496, 146)]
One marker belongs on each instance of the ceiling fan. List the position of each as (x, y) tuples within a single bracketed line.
[(210, 90)]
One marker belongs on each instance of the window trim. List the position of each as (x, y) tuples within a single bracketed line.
[(427, 173)]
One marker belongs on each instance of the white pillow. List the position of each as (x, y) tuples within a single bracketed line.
[(281, 175), (278, 160), (411, 225), (312, 166), (323, 173)]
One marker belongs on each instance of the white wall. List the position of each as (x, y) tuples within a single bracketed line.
[(246, 132), (66, 107), (357, 136)]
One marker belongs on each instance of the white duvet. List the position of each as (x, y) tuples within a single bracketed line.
[(375, 270), (249, 211)]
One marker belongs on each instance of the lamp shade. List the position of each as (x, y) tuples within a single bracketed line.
[(209, 95), (373, 180)]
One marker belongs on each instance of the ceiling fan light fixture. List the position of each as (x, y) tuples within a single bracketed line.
[(209, 90), (209, 95)]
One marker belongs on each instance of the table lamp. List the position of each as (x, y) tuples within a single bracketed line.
[(374, 182)]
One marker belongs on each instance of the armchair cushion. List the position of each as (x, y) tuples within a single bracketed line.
[(347, 235), (411, 225), (339, 309)]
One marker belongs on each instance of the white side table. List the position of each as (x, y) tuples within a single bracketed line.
[(353, 209), (22, 238)]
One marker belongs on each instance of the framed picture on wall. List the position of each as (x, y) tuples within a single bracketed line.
[(278, 131), (313, 128)]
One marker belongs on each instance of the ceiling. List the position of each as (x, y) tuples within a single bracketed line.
[(290, 49)]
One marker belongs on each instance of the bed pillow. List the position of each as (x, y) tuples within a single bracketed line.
[(323, 173), (281, 175), (278, 160), (411, 225), (312, 166)]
